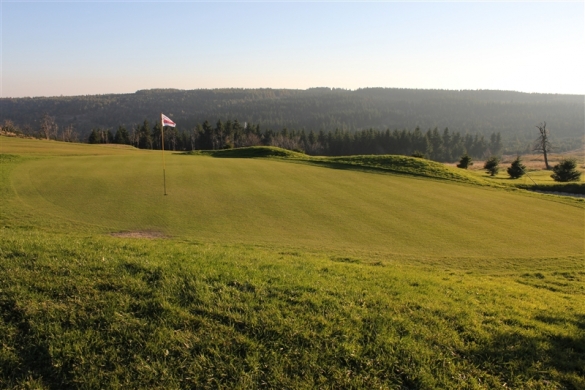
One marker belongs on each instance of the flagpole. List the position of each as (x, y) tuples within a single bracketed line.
[(162, 133)]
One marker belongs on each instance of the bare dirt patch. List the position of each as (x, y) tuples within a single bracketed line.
[(138, 234)]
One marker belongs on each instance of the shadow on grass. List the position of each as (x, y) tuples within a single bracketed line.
[(34, 358), (569, 188), (510, 353)]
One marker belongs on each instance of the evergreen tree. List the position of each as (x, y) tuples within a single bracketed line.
[(566, 170), (94, 137), (495, 143), (492, 165), (447, 139), (218, 136), (465, 161), (207, 136), (121, 136), (157, 132), (145, 139), (196, 137), (517, 169)]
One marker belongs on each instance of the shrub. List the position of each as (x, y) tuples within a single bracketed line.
[(517, 169), (492, 165), (465, 161), (566, 170), (418, 154)]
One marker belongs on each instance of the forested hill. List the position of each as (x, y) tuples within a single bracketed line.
[(513, 114)]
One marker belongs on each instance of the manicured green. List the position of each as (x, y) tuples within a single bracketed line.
[(281, 272)]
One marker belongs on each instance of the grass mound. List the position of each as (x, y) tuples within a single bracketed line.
[(405, 165), (380, 163), (255, 152)]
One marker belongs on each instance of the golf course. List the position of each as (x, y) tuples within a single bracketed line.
[(265, 268)]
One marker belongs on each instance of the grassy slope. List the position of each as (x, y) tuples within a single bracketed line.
[(286, 310)]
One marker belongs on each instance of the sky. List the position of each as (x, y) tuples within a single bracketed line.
[(82, 48)]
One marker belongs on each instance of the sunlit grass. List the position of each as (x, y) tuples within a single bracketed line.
[(278, 274)]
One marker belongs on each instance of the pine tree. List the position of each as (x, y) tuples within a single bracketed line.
[(465, 161), (492, 165), (121, 136), (94, 137), (145, 140), (566, 170), (517, 169)]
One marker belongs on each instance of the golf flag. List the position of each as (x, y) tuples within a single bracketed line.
[(166, 121)]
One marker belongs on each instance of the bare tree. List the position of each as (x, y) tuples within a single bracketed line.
[(9, 128), (49, 127), (542, 144), (69, 134), (290, 143), (28, 130), (135, 136), (250, 139)]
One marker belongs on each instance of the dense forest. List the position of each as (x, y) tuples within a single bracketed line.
[(320, 110), (434, 144)]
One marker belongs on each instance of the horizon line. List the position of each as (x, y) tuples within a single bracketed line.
[(291, 89)]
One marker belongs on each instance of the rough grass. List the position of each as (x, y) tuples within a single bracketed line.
[(38, 147), (100, 312), (281, 275)]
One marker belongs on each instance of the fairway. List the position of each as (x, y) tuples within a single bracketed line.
[(271, 201)]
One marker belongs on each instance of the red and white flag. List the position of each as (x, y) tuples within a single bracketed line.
[(166, 121)]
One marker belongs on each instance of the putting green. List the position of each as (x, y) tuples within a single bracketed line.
[(265, 201)]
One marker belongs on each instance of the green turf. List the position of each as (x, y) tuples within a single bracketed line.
[(273, 201), (281, 273)]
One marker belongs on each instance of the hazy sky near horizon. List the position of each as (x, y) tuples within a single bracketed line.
[(79, 48)]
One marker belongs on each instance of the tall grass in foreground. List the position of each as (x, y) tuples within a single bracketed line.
[(99, 312)]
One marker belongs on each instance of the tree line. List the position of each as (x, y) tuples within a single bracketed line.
[(439, 145), (512, 114)]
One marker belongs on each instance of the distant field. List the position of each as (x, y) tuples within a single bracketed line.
[(282, 273)]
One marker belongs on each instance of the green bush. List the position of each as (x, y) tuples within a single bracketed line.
[(566, 170), (517, 169), (465, 161), (492, 165)]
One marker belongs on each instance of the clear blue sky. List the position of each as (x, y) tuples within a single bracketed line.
[(78, 48)]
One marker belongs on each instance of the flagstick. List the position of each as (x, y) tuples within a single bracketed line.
[(530, 177), (162, 132)]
